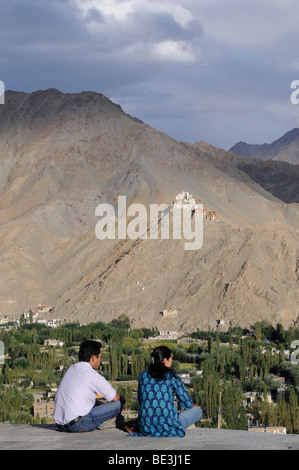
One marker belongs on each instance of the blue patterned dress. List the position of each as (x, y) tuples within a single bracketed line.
[(157, 414)]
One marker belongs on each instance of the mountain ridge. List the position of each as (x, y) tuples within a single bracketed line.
[(286, 148), (280, 178)]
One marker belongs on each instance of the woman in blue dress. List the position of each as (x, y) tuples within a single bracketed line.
[(157, 388)]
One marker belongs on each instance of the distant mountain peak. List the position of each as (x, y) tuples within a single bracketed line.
[(286, 148)]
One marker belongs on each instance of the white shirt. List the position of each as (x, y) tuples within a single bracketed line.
[(77, 391)]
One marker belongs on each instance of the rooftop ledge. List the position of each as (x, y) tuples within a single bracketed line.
[(47, 437)]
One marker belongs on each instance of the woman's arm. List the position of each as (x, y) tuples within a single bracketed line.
[(185, 401)]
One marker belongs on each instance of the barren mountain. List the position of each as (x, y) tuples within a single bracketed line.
[(279, 178), (64, 154), (285, 149)]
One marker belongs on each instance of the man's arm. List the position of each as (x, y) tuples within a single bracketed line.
[(119, 397)]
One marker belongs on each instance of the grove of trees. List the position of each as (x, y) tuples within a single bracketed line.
[(230, 364)]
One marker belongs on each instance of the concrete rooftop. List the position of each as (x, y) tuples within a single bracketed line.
[(47, 437)]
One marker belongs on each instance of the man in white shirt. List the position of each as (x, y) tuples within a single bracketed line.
[(75, 409)]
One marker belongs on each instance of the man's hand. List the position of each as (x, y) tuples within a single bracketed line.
[(119, 397)]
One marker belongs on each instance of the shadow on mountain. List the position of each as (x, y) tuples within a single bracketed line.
[(279, 178)]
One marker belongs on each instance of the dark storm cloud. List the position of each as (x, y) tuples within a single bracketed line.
[(196, 69), (160, 26), (54, 40), (39, 24)]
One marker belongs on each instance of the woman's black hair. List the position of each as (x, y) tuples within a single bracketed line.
[(157, 369), (89, 348)]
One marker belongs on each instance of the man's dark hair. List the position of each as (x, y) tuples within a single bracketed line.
[(89, 348)]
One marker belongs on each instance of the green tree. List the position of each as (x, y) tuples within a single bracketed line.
[(233, 412), (258, 331)]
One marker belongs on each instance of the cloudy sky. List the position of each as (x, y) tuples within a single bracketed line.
[(212, 70)]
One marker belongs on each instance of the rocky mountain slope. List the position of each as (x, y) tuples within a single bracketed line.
[(285, 149), (63, 154), (279, 178)]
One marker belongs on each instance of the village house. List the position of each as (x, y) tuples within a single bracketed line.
[(43, 405), (251, 396), (212, 215), (168, 334), (185, 378), (53, 342), (7, 327), (6, 319), (270, 429), (35, 314), (54, 323), (171, 312), (39, 310)]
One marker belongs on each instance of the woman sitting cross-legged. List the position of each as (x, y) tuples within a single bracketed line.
[(157, 388)]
